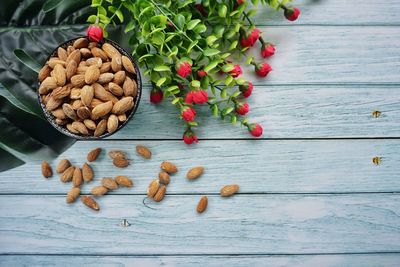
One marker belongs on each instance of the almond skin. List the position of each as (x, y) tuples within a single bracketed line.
[(83, 113), (143, 151), (115, 89), (153, 188), (110, 50), (195, 172), (69, 111), (71, 69), (80, 43), (102, 109), (80, 127), (87, 94), (44, 73), (78, 80), (123, 181), (90, 202), (123, 105), (229, 190), (63, 165), (130, 87), (164, 178), (59, 74), (47, 85), (119, 77), (120, 162), (112, 123), (101, 128), (99, 190), (202, 205), (73, 194), (92, 74), (77, 177), (169, 167), (46, 169), (93, 154), (75, 56), (105, 78), (87, 173), (97, 52), (109, 183), (117, 154), (116, 63), (160, 193), (67, 174), (61, 92), (128, 65), (62, 53)]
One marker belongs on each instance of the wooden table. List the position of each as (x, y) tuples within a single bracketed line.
[(310, 194)]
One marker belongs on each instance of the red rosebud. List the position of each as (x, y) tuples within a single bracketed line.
[(246, 89), (236, 72), (95, 33), (183, 69), (292, 13), (201, 73), (188, 113), (189, 137), (242, 108), (201, 9), (198, 97), (156, 96), (267, 50), (239, 2), (263, 69), (250, 39), (255, 129)]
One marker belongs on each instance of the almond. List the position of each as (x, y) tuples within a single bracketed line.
[(122, 117), (101, 128), (105, 67), (70, 49), (53, 62), (83, 113), (160, 193), (97, 52), (94, 61), (78, 80), (93, 44), (59, 74), (75, 56), (75, 93), (76, 104), (95, 102), (59, 114), (102, 109), (63, 165), (124, 181), (123, 105), (117, 154), (164, 178), (153, 188), (53, 103), (71, 69), (91, 125), (46, 169), (195, 172), (169, 167), (90, 202), (93, 154), (62, 53), (47, 85), (61, 92), (80, 127), (61, 121), (110, 50), (87, 173), (73, 194), (44, 73), (69, 111), (87, 94), (229, 190), (112, 123), (115, 89), (71, 129), (109, 183), (128, 65), (202, 205), (67, 174), (77, 177), (119, 77), (92, 74), (80, 43), (130, 87), (85, 52), (143, 151), (81, 69), (99, 190), (105, 78), (120, 162), (116, 63), (103, 94)]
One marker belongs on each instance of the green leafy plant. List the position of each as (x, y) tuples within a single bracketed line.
[(187, 49)]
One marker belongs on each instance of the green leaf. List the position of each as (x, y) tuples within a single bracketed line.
[(240, 81), (228, 80), (249, 60), (233, 119), (158, 38), (215, 110), (8, 160), (200, 28), (161, 81), (193, 123), (222, 9), (144, 57), (251, 12), (192, 44), (92, 19), (96, 3), (211, 39), (205, 82), (160, 68), (223, 93), (179, 21), (227, 67), (195, 83), (119, 15), (211, 65), (130, 26), (226, 111), (233, 45), (236, 94), (27, 60), (192, 24), (176, 100), (50, 5), (210, 52), (172, 88), (219, 30)]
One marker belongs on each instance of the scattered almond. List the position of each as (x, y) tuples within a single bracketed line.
[(73, 194), (90, 202), (46, 169), (160, 193), (143, 151), (120, 162), (229, 190), (123, 181), (202, 205), (67, 174), (164, 178), (195, 172), (169, 167), (87, 173), (153, 188), (99, 190), (117, 154), (110, 183), (63, 165), (93, 154), (77, 177)]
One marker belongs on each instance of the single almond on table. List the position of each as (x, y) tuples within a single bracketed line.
[(87, 173), (117, 154), (229, 190), (202, 205), (160, 193), (169, 167), (90, 202), (93, 154), (195, 172), (77, 177), (164, 178), (153, 188), (143, 151), (67, 174), (73, 194), (46, 169), (123, 181), (99, 190), (109, 183), (120, 162), (63, 165)]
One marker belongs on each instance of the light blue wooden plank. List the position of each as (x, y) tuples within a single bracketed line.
[(257, 166), (371, 260), (285, 112), (243, 224)]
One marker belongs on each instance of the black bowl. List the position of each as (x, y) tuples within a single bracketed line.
[(51, 119)]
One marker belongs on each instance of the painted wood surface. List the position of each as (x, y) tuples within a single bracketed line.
[(368, 260), (243, 224), (279, 166)]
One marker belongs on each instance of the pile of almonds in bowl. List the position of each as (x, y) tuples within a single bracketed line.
[(89, 89)]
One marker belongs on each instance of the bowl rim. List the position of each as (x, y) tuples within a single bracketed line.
[(51, 119)]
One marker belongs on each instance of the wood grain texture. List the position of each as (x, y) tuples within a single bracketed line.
[(257, 166), (243, 224), (371, 260)]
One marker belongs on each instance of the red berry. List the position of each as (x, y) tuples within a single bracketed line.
[(95, 33), (292, 13), (255, 129)]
